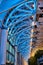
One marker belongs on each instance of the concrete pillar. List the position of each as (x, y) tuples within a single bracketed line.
[(3, 47), (15, 51)]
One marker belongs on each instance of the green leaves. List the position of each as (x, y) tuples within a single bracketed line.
[(33, 60)]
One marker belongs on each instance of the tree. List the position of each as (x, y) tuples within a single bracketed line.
[(33, 60), (38, 54)]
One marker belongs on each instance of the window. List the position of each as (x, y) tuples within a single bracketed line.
[(10, 57), (7, 56), (33, 45), (10, 52), (11, 49), (35, 26), (8, 46), (41, 15), (34, 39), (35, 32), (41, 8)]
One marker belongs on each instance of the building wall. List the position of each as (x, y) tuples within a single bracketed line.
[(37, 42)]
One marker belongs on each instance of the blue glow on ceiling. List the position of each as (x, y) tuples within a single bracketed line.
[(19, 24), (9, 4)]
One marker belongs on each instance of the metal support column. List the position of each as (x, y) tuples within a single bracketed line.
[(18, 58), (3, 40), (3, 46), (15, 51)]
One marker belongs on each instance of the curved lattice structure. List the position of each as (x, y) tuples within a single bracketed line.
[(19, 26)]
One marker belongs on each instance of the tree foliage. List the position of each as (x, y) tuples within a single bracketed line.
[(33, 60)]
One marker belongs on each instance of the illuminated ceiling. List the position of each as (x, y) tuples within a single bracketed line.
[(19, 24)]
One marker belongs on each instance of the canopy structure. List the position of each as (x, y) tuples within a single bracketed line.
[(18, 22)]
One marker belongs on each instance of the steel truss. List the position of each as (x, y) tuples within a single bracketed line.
[(19, 25)]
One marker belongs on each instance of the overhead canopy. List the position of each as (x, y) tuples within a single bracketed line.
[(19, 24)]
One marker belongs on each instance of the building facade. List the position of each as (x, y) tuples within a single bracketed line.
[(37, 30)]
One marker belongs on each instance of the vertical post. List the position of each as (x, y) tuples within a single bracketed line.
[(18, 58), (0, 44), (15, 48), (3, 47)]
